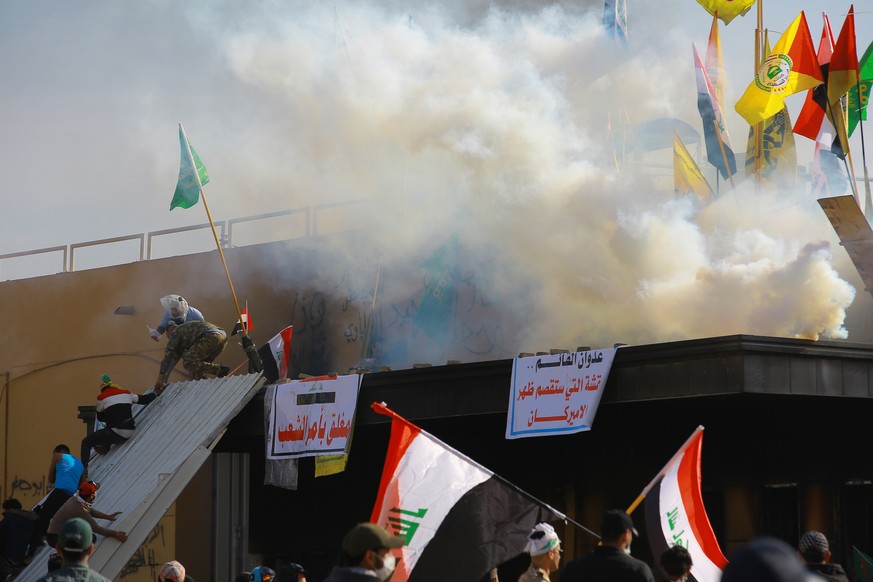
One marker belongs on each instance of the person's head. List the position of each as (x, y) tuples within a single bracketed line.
[(368, 545), (62, 449), (767, 560), (814, 548), (176, 305), (105, 382), (88, 491), (297, 572), (172, 571), (617, 529), (75, 540), (262, 574), (676, 563), (544, 547), (11, 503)]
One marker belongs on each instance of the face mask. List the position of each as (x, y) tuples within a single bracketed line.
[(387, 568), (627, 550)]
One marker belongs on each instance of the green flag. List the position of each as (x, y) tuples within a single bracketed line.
[(863, 566), (857, 107), (188, 187)]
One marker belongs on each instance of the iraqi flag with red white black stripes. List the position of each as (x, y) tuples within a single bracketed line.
[(276, 354), (459, 519), (675, 514)]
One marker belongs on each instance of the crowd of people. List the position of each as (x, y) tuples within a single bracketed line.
[(66, 518)]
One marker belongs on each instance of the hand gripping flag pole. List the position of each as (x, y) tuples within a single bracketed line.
[(254, 359)]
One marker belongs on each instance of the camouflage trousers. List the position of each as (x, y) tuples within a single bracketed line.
[(199, 357)]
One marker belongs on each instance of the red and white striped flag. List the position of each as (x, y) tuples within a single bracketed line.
[(675, 514)]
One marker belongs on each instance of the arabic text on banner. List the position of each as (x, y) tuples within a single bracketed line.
[(311, 418), (556, 394)]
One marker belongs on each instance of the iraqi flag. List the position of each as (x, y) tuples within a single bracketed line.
[(276, 354), (675, 514), (244, 314), (460, 519)]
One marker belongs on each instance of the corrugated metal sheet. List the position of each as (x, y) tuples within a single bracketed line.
[(143, 477)]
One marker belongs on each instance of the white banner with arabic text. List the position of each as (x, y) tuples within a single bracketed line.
[(313, 417), (556, 394)]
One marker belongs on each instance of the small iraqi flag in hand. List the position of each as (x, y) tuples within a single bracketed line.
[(245, 321)]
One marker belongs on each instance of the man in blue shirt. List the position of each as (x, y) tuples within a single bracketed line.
[(65, 472)]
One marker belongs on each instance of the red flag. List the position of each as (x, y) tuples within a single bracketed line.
[(809, 121), (844, 71), (842, 76)]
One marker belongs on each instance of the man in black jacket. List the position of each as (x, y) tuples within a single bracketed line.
[(115, 408), (16, 529), (611, 561), (816, 553)]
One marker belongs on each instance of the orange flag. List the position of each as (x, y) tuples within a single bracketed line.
[(791, 67)]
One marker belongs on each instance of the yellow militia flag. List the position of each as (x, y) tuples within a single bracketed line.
[(727, 9), (330, 464), (790, 68), (778, 154), (687, 177)]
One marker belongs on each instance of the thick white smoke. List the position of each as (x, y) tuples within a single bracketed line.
[(496, 132)]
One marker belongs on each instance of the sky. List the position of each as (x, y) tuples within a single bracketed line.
[(486, 119)]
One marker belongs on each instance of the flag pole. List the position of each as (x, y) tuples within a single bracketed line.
[(663, 471), (245, 331), (847, 159), (868, 198), (724, 155), (759, 134), (382, 408)]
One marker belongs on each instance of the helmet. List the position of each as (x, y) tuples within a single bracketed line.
[(263, 574)]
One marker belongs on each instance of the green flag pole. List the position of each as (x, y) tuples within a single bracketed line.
[(248, 344)]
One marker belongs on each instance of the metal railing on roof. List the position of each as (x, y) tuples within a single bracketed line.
[(311, 216)]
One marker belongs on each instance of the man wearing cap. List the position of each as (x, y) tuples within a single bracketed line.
[(115, 408), (816, 553), (544, 548), (366, 555), (75, 544), (611, 561), (197, 344), (79, 506)]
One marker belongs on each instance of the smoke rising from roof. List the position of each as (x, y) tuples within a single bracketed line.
[(491, 124)]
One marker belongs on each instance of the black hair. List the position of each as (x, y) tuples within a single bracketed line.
[(62, 449), (676, 561), (11, 503)]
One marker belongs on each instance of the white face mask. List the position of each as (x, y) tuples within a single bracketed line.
[(627, 550), (387, 568)]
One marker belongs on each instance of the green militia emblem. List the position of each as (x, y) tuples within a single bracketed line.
[(405, 522)]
